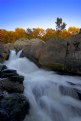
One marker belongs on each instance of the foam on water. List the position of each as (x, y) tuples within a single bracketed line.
[(51, 96)]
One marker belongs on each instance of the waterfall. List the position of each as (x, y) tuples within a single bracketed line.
[(52, 97)]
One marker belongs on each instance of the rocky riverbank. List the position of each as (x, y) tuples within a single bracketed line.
[(63, 56), (14, 106)]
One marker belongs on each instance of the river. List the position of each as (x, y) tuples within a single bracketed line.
[(52, 97)]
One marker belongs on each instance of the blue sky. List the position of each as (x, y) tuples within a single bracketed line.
[(38, 13)]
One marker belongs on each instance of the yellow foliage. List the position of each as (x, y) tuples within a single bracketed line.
[(64, 34), (12, 36), (49, 33), (20, 33), (73, 30)]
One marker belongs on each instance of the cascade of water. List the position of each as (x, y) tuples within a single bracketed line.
[(12, 55), (18, 54), (52, 97)]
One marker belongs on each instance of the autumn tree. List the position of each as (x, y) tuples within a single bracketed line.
[(64, 34), (20, 33), (35, 33), (4, 36), (49, 33), (38, 32), (73, 30)]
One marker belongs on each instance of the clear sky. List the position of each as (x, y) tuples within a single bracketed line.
[(38, 13)]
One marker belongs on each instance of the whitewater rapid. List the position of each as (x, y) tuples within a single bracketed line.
[(52, 97)]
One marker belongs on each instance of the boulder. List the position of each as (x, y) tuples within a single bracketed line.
[(20, 43), (32, 49), (2, 67), (14, 108), (13, 105), (17, 78), (11, 86), (63, 56), (8, 73), (4, 53), (1, 94), (73, 57), (3, 115), (9, 46), (70, 91), (52, 54), (12, 75)]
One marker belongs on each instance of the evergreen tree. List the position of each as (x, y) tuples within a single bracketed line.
[(59, 24)]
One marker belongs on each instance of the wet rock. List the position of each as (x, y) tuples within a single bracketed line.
[(9, 73), (17, 78), (1, 94), (13, 105), (11, 86), (3, 115), (79, 93), (69, 91), (2, 67), (12, 75), (14, 108), (71, 83)]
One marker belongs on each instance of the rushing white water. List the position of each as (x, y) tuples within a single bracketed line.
[(52, 97)]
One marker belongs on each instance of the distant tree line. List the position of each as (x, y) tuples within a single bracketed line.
[(60, 32)]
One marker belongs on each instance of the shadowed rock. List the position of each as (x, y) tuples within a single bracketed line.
[(17, 78), (2, 67), (14, 108), (11, 86)]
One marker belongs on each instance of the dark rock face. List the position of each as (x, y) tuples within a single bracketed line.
[(2, 67), (73, 57), (17, 78), (12, 75), (13, 105), (14, 108), (3, 115), (70, 91), (8, 73), (11, 81), (11, 86)]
